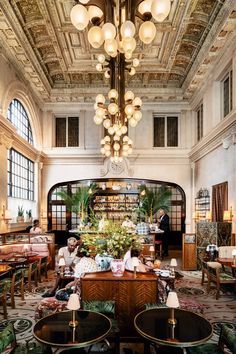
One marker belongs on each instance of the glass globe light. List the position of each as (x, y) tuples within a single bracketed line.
[(128, 56), (100, 112), (107, 74), (129, 95), (116, 146), (119, 132), (137, 102), (107, 123), (129, 44), (95, 106), (112, 108), (125, 138), (107, 153), (99, 67), (94, 12), (130, 142), (147, 32), (84, 1), (100, 98), (110, 46), (125, 147), (107, 139), (116, 127), (116, 137), (102, 142), (107, 147), (124, 129), (145, 6), (129, 109), (133, 122), (97, 120), (135, 62), (127, 29), (101, 58), (111, 130), (132, 71), (160, 9), (79, 17), (103, 150), (95, 36), (109, 31), (137, 115), (113, 94)]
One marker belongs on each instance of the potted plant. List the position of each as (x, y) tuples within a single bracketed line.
[(20, 214), (153, 199), (29, 214)]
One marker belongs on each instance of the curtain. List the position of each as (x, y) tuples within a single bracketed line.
[(219, 201)]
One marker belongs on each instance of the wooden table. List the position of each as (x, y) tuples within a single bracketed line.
[(130, 295), (5, 269), (190, 329), (228, 262)]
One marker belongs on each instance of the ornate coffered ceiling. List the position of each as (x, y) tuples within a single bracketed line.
[(38, 38)]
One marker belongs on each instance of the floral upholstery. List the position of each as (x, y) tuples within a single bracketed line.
[(185, 304), (227, 338), (48, 306)]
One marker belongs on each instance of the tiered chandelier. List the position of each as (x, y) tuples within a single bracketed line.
[(112, 24)]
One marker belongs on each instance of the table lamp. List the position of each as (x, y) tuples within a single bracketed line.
[(152, 249), (172, 302), (173, 264), (73, 304), (135, 264), (61, 264), (234, 256)]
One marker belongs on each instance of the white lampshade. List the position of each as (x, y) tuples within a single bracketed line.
[(234, 252), (109, 31), (79, 17), (62, 262), (95, 37), (147, 32), (127, 29), (151, 248), (73, 302), (172, 300), (160, 9), (173, 262), (110, 46), (135, 261)]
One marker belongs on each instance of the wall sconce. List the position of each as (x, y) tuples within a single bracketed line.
[(74, 305), (195, 216), (228, 215), (208, 216), (6, 216)]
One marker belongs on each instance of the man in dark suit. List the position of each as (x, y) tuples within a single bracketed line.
[(164, 224)]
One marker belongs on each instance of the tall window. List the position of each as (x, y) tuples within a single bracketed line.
[(227, 93), (20, 172), (67, 131), (18, 117), (165, 131), (200, 122)]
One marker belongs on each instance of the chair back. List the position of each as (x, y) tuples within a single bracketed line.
[(226, 251), (228, 338)]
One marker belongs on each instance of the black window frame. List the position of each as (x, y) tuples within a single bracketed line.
[(165, 137), (227, 93), (66, 139)]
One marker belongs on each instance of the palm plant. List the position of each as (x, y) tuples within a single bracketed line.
[(151, 200), (79, 201)]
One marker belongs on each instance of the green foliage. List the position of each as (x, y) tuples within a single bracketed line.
[(152, 200), (79, 201), (29, 213), (20, 211), (114, 241)]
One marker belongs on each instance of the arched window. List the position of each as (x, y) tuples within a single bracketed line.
[(18, 117)]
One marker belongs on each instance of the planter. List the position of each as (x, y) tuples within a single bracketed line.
[(117, 267), (20, 219)]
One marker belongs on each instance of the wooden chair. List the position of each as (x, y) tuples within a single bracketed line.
[(227, 338), (31, 272), (43, 267), (216, 274), (17, 280), (3, 298)]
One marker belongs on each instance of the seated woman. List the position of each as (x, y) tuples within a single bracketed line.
[(129, 264)]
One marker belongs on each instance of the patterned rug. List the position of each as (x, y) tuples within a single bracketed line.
[(187, 287)]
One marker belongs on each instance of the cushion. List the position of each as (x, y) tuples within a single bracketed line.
[(48, 306), (104, 307), (208, 348), (7, 339), (228, 337), (185, 304), (214, 265)]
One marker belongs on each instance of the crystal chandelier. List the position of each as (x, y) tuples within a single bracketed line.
[(112, 23)]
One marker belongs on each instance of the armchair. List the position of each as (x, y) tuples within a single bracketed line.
[(11, 283), (217, 275), (227, 338)]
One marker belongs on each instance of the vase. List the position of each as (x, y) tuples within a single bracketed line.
[(117, 267)]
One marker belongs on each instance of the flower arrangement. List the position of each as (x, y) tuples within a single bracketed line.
[(114, 241)]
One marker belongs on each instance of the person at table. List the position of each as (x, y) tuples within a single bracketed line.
[(164, 224), (69, 254), (135, 256), (35, 229), (128, 223), (142, 227)]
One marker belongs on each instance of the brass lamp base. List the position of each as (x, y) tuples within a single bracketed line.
[(73, 324), (172, 321)]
